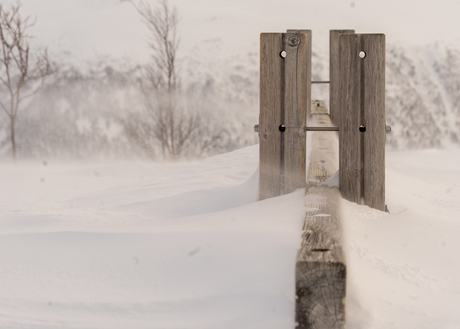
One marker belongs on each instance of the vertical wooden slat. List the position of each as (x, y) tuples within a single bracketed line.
[(334, 73), (374, 119), (350, 118), (308, 68), (297, 70), (362, 102), (271, 102)]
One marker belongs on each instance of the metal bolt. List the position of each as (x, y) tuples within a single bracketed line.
[(293, 41), (282, 128), (362, 128), (387, 129)]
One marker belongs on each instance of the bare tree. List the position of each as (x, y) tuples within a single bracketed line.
[(21, 73), (172, 124)]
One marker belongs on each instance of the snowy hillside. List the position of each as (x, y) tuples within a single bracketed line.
[(100, 46), (186, 245)]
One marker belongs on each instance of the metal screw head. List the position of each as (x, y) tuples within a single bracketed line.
[(282, 128), (388, 129), (362, 128), (293, 41), (256, 128)]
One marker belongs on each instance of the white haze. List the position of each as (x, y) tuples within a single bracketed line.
[(186, 245), (101, 46), (86, 28)]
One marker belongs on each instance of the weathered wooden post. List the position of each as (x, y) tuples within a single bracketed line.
[(334, 75), (285, 80), (362, 119), (357, 87)]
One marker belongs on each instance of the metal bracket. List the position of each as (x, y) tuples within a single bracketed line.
[(283, 128), (322, 128)]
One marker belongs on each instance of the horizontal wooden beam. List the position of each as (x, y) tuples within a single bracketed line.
[(321, 267)]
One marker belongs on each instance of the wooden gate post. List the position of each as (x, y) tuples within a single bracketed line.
[(334, 74), (285, 80), (362, 119)]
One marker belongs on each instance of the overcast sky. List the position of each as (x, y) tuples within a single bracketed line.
[(88, 28)]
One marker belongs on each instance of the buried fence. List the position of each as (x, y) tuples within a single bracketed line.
[(357, 112)]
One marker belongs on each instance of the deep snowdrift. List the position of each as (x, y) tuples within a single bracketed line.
[(186, 245)]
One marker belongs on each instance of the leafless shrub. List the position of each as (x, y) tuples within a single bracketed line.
[(22, 73)]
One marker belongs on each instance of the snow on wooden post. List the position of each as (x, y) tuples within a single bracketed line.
[(285, 80), (362, 119), (334, 73)]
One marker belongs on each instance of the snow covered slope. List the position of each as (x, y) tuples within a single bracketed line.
[(146, 246), (403, 267), (186, 245)]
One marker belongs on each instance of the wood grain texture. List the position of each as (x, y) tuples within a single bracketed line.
[(320, 267), (374, 120), (271, 102), (307, 68), (350, 118), (324, 157), (334, 73), (362, 102), (297, 68), (284, 91)]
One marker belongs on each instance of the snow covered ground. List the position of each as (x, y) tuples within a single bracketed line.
[(186, 245), (403, 267)]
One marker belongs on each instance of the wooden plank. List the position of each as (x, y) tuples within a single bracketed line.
[(320, 266), (297, 69), (307, 68), (374, 119), (284, 90), (271, 102), (350, 149), (334, 73), (324, 157)]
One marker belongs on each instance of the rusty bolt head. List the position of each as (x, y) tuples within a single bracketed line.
[(293, 41)]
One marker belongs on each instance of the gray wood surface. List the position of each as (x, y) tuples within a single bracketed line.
[(324, 156), (307, 69), (320, 267), (350, 118), (297, 83), (334, 73), (271, 102), (362, 102), (284, 91), (374, 119)]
